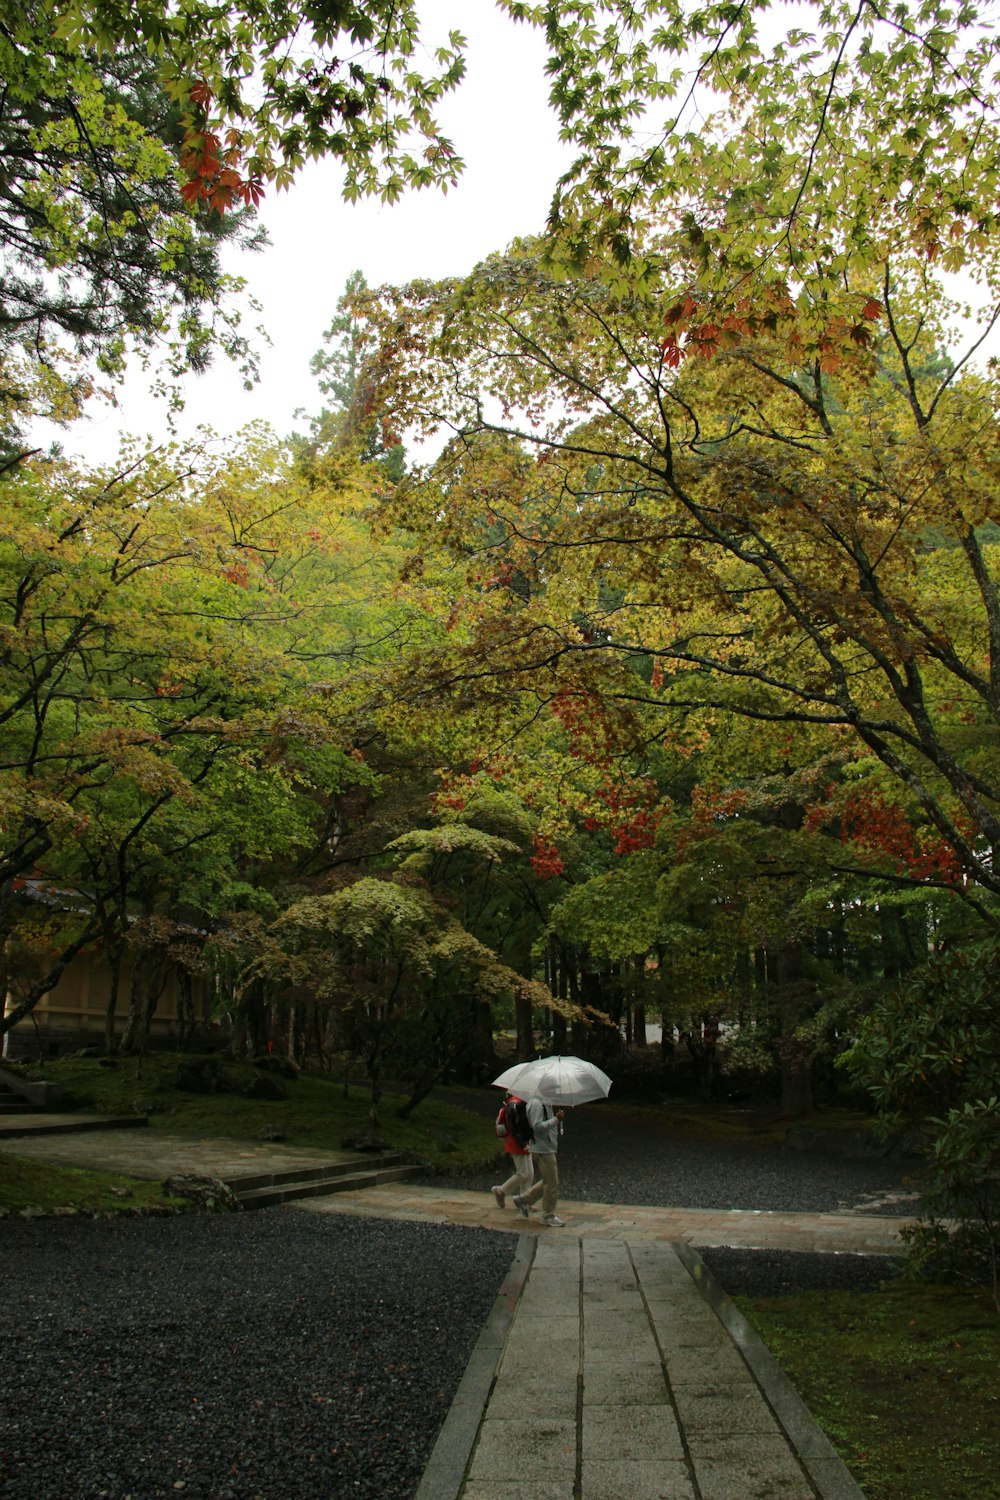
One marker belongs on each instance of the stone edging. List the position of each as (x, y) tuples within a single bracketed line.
[(445, 1471), (823, 1465)]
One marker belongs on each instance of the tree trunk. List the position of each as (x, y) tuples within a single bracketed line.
[(418, 1094), (524, 1024), (639, 1024), (111, 1006), (318, 1028), (375, 1082), (148, 979), (482, 1040), (559, 1028), (187, 1025), (794, 1055), (702, 1047), (592, 995), (254, 1020), (34, 992), (668, 1047), (796, 1078)]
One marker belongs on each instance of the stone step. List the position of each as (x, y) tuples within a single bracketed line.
[(38, 1094), (319, 1182), (40, 1122), (16, 1104), (366, 1162)]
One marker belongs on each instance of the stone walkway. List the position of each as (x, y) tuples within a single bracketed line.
[(612, 1367), (140, 1152), (616, 1370), (751, 1229)]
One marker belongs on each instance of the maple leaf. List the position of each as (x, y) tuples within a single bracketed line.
[(546, 860), (200, 94), (672, 353), (704, 340)]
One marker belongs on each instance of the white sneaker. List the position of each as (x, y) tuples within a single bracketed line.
[(553, 1221), (499, 1195), (521, 1206)]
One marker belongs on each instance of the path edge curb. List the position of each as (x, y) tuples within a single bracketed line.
[(445, 1472), (824, 1467)]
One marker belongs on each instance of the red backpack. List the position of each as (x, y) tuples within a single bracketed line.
[(512, 1120)]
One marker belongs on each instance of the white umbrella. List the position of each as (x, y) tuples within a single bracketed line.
[(557, 1080)]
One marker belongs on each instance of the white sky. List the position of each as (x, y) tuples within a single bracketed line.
[(501, 125)]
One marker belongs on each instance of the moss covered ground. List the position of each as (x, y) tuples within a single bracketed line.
[(26, 1184), (317, 1111), (904, 1380)]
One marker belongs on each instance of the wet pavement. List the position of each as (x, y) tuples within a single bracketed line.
[(612, 1367), (138, 1151), (617, 1370), (749, 1229)]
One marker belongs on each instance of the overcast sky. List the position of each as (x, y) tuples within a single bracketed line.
[(501, 125)]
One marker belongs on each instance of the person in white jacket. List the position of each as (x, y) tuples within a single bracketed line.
[(545, 1123)]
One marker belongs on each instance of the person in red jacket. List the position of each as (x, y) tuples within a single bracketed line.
[(518, 1152)]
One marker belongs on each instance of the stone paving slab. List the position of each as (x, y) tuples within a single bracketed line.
[(614, 1424), (745, 1228), (38, 1122), (635, 1479)]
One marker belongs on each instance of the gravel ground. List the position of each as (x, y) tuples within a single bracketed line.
[(776, 1273), (287, 1356), (602, 1160), (265, 1356)]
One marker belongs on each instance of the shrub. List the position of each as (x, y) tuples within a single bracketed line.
[(929, 1055)]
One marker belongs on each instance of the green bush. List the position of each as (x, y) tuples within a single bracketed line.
[(929, 1055)]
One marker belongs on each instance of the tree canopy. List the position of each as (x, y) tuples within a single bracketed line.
[(103, 256), (724, 160), (671, 682), (759, 531), (776, 154), (264, 87), (138, 139)]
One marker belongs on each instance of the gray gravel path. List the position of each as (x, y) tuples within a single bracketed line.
[(776, 1273), (265, 1356), (290, 1356)]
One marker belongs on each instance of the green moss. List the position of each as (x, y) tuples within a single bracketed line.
[(903, 1381), (317, 1112), (41, 1185)]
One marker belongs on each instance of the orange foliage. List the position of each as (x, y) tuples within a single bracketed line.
[(214, 173), (878, 830), (546, 860)]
